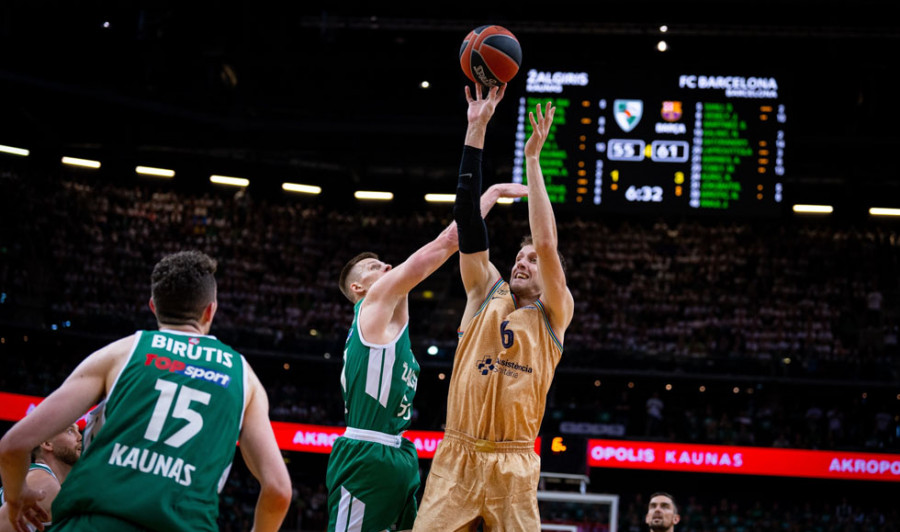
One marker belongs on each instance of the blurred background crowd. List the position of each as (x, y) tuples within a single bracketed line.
[(760, 332)]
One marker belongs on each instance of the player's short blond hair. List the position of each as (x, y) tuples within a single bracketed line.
[(347, 278)]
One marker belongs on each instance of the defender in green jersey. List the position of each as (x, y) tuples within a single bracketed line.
[(173, 404), (373, 472), (51, 462)]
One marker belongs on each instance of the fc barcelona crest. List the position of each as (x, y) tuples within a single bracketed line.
[(628, 113), (671, 111)]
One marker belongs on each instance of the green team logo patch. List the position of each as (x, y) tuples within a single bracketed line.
[(628, 113)]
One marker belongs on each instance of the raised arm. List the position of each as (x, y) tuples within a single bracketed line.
[(385, 294), (500, 190), (264, 460), (556, 295), (476, 270), (384, 311)]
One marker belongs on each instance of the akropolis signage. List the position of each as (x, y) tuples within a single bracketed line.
[(627, 454)]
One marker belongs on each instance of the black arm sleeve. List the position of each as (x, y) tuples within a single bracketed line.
[(472, 230)]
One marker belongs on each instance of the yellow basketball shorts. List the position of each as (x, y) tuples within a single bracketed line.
[(477, 481)]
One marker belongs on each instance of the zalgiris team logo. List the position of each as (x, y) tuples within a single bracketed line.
[(628, 113)]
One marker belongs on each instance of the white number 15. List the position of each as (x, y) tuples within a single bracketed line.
[(182, 410)]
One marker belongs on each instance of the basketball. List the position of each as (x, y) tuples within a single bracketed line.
[(490, 55)]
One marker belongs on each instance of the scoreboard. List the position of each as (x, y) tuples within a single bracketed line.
[(659, 142)]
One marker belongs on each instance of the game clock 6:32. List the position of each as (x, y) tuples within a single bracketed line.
[(644, 193)]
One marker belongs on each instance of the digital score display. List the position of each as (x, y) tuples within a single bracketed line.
[(659, 142)]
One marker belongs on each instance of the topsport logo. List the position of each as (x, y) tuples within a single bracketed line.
[(194, 372)]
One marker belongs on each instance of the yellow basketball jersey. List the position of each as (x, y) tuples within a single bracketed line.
[(503, 368)]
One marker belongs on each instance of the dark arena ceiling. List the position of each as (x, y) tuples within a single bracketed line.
[(331, 92)]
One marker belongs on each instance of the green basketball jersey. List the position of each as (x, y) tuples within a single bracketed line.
[(160, 446), (378, 381)]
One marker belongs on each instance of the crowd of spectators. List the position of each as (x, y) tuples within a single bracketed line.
[(765, 414), (780, 298), (772, 298), (766, 292)]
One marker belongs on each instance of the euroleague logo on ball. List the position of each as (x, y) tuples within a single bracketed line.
[(490, 55)]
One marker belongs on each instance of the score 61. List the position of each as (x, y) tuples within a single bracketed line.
[(661, 151)]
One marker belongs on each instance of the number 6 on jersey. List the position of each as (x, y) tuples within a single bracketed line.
[(506, 336)]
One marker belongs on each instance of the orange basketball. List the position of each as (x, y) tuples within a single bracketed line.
[(490, 55)]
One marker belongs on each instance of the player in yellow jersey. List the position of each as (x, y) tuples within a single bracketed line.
[(486, 470)]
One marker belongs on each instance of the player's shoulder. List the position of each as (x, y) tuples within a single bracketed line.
[(123, 344), (115, 350), (500, 288), (43, 478)]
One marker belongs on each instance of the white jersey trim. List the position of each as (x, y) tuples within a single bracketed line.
[(351, 512), (182, 333), (391, 440), (379, 346)]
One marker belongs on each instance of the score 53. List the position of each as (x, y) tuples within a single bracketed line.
[(661, 151)]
